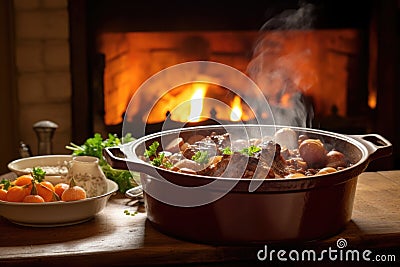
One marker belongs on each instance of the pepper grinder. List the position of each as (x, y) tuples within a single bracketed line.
[(45, 131)]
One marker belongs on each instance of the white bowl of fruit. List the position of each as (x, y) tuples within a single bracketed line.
[(39, 200)]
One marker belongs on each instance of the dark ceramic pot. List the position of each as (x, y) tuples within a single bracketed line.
[(274, 210)]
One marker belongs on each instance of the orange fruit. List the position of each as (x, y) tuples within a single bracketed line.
[(60, 188), (3, 194), (73, 193), (46, 193), (33, 199), (48, 185), (23, 180), (17, 193)]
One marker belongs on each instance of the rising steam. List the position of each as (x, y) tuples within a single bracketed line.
[(282, 67)]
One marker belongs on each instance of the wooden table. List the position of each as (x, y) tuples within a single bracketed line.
[(113, 238)]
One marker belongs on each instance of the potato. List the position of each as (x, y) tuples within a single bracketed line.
[(295, 175), (326, 170), (313, 152), (335, 159)]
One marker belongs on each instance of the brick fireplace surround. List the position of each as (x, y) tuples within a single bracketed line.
[(42, 80), (39, 84)]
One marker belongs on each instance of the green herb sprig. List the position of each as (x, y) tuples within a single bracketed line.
[(5, 184), (157, 159), (227, 151), (201, 157), (38, 174), (152, 150), (250, 151)]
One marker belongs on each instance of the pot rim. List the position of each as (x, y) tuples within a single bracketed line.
[(277, 184)]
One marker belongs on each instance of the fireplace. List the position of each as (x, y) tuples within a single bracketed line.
[(324, 60)]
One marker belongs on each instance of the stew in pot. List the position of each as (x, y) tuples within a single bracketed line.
[(287, 155)]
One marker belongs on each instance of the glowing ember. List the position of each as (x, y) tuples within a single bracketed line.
[(372, 99), (285, 100), (236, 113)]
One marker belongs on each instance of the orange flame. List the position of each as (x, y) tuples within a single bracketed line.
[(187, 106), (188, 103), (196, 102), (237, 111)]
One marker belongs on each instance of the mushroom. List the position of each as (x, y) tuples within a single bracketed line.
[(286, 137), (188, 164)]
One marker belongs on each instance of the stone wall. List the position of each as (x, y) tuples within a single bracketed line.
[(43, 69)]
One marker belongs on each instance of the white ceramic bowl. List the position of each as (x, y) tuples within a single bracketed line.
[(58, 213), (21, 166)]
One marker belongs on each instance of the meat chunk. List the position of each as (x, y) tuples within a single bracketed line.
[(267, 163), (205, 144), (213, 144), (238, 165), (270, 155), (232, 166), (221, 140)]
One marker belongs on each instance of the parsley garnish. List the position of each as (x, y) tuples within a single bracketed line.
[(227, 151), (158, 161), (250, 151), (38, 174), (152, 151), (167, 164), (201, 157), (5, 184), (127, 212)]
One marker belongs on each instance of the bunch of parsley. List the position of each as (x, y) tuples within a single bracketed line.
[(94, 147)]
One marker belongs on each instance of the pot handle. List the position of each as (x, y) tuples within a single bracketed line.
[(376, 145), (117, 160)]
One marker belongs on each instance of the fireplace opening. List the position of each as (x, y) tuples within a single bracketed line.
[(324, 61), (323, 72), (321, 65), (132, 58)]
